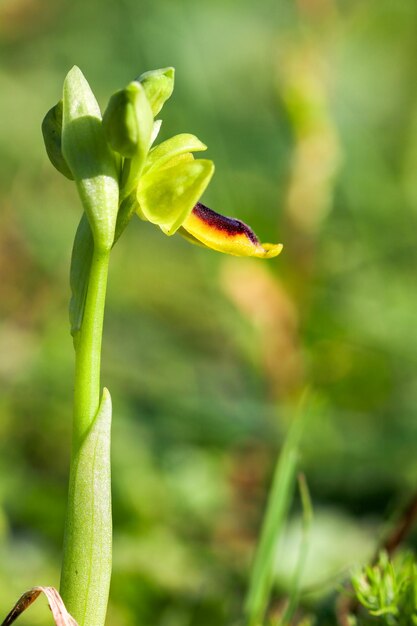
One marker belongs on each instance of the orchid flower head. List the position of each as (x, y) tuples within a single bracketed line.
[(118, 171)]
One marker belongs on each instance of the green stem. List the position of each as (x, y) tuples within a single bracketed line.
[(86, 567), (88, 348)]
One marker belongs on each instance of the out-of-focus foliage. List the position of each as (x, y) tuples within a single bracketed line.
[(309, 110), (387, 591)]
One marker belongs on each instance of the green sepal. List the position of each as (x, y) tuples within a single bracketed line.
[(88, 532), (173, 147), (128, 121), (82, 255), (167, 196), (159, 85), (90, 158), (52, 136)]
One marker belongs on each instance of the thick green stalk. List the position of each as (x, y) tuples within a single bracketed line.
[(86, 568)]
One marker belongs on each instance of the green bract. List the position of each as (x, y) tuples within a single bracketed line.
[(92, 162), (159, 85), (52, 136), (82, 254)]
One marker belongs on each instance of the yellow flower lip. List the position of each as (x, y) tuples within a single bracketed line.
[(226, 234)]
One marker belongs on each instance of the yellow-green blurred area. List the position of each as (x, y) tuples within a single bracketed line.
[(309, 109)]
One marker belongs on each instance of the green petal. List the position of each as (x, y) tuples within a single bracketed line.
[(90, 158), (167, 150), (167, 196)]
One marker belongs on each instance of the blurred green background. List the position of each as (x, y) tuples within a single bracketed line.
[(309, 109)]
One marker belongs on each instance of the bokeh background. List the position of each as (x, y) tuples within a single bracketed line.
[(309, 108)]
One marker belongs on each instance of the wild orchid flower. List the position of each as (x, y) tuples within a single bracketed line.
[(168, 194), (118, 173)]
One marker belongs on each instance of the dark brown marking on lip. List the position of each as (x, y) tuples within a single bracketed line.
[(229, 225)]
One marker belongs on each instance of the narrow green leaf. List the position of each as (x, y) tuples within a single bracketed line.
[(303, 552), (88, 532), (279, 501), (167, 196)]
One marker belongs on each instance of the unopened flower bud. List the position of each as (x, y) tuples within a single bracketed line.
[(128, 121), (158, 85)]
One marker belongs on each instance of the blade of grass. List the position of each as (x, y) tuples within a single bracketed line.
[(279, 501), (302, 556)]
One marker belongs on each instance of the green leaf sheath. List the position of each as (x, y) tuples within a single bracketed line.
[(86, 570)]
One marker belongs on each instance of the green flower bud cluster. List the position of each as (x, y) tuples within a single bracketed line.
[(111, 161)]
